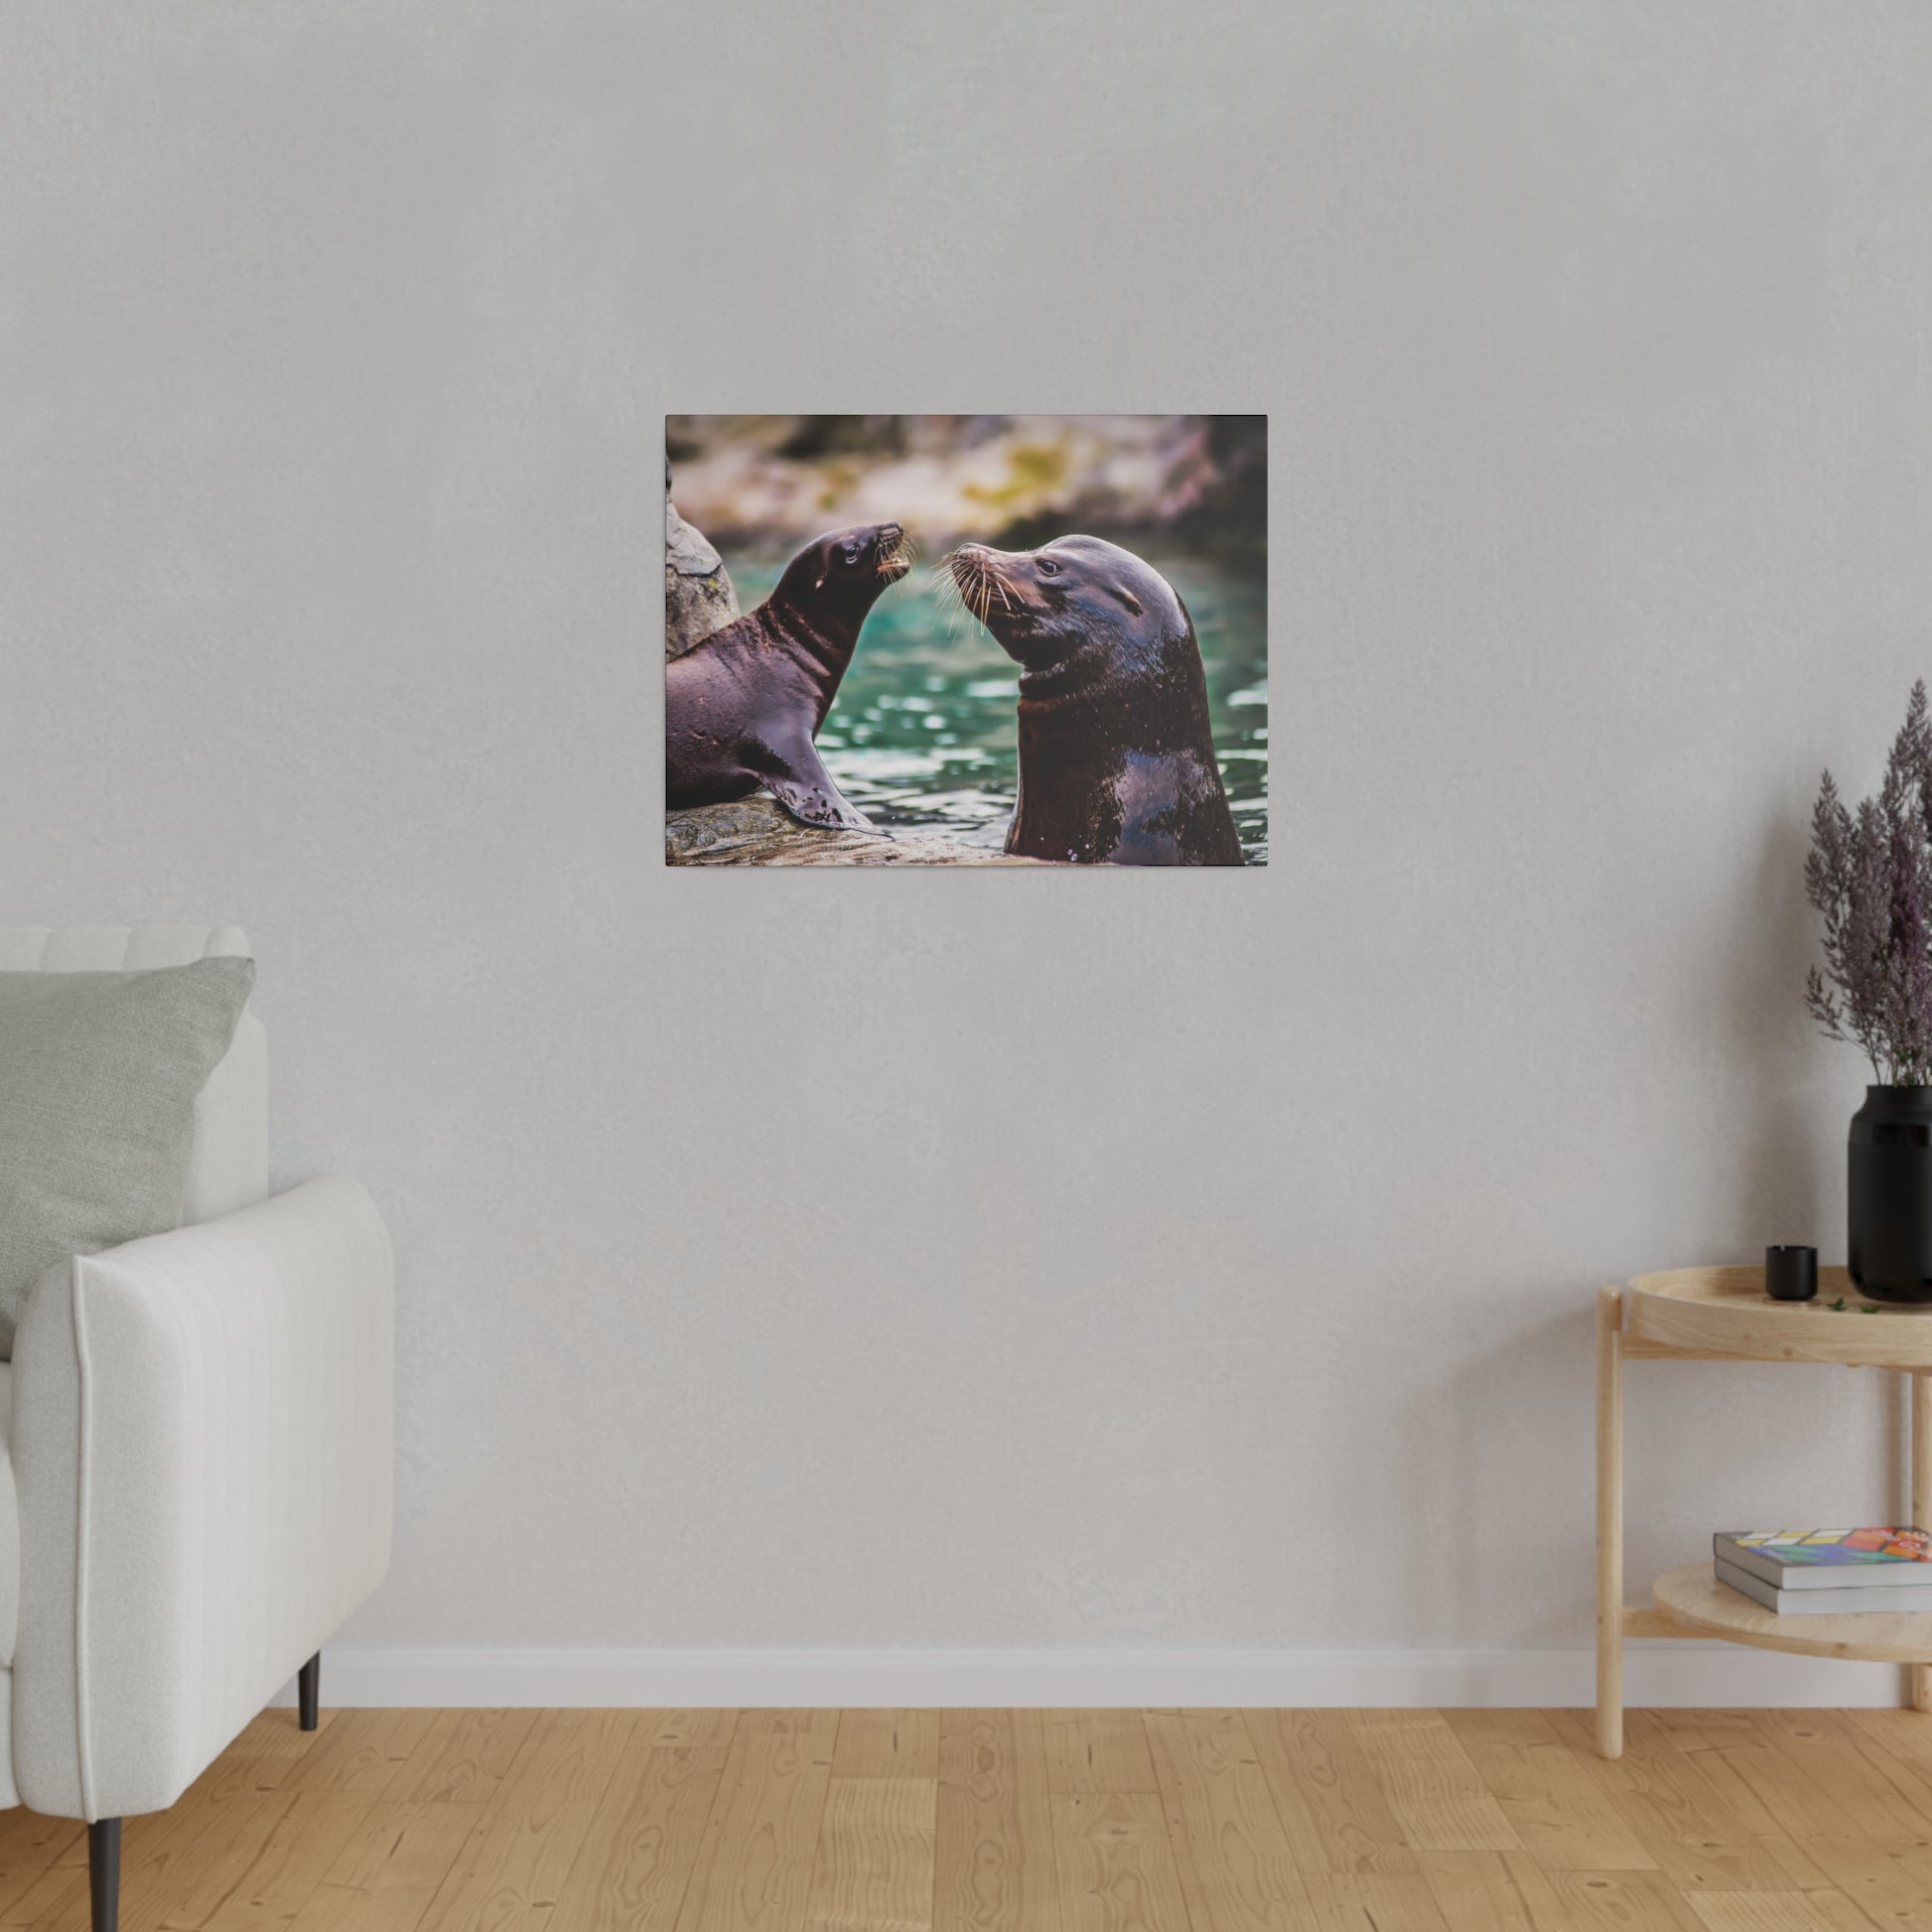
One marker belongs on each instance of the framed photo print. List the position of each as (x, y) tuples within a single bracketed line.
[(966, 640)]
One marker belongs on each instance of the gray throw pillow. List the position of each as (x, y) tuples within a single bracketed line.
[(98, 1075)]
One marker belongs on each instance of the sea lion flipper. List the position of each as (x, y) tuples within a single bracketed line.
[(805, 789)]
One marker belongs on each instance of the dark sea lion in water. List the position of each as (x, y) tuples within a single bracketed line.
[(741, 709), (1116, 754)]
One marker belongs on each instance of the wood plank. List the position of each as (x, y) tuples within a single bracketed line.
[(1891, 1885), (1115, 1868), (994, 1864), (887, 1744), (645, 1843), (31, 1846), (512, 1866), (757, 1863), (1698, 1729), (1779, 1911), (279, 1734), (798, 1722), (1899, 1733), (1219, 1724), (874, 1869), (1884, 1799), (1097, 1750), (1331, 1806), (1618, 1901), (1697, 1842), (1436, 1793), (294, 1859), (217, 1842), (1237, 1870), (1490, 1891), (62, 1900), (686, 1727), (1556, 1801), (386, 1876), (1777, 1796), (1373, 1901), (463, 1758), (363, 1750)]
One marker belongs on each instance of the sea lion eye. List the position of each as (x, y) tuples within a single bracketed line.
[(1049, 568)]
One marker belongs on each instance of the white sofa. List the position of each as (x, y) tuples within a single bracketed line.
[(199, 1461)]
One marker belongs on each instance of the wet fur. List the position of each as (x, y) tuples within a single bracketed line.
[(1116, 751), (743, 708)]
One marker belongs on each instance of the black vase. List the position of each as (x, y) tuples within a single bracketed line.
[(1891, 1195)]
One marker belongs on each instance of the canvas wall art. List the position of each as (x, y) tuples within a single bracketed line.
[(1022, 640)]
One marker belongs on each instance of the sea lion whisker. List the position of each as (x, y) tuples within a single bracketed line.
[(945, 585), (978, 582), (954, 571)]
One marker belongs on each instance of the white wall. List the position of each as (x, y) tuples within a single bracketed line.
[(981, 1260)]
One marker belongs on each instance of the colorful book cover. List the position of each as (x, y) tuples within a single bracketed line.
[(1822, 1548)]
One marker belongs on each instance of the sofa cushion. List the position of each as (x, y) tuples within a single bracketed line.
[(229, 1168), (98, 1077)]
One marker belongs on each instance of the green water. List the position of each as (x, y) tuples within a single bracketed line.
[(922, 732)]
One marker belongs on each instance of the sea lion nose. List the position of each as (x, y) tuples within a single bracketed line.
[(889, 534)]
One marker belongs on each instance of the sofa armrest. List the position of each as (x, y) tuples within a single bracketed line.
[(202, 1448)]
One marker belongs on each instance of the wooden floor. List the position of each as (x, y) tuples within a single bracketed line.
[(1029, 1820)]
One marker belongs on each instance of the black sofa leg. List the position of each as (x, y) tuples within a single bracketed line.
[(104, 1872), (308, 1684)]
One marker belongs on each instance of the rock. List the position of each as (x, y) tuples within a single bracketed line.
[(757, 831), (698, 594)]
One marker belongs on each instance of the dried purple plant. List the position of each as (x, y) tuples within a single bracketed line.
[(1870, 875)]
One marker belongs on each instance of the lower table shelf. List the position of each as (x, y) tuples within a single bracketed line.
[(1694, 1599)]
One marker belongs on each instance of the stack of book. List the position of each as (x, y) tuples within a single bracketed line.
[(1828, 1572)]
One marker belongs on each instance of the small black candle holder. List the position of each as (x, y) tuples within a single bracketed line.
[(1791, 1274)]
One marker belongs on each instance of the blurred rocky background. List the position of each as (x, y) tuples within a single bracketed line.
[(1194, 483)]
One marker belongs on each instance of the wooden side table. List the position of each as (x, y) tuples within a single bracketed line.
[(1707, 1314)]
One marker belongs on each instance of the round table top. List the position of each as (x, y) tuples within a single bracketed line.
[(1726, 1312), (1694, 1599)]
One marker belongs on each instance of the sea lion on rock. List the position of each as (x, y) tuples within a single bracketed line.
[(1116, 754), (741, 708)]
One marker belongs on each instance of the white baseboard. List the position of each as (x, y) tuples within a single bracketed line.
[(1665, 1675)]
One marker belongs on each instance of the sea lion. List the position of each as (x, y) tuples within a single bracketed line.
[(1116, 755), (742, 707)]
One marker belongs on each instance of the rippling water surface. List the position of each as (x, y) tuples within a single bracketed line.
[(922, 732)]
